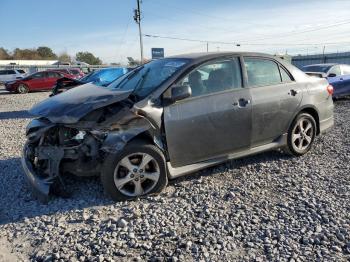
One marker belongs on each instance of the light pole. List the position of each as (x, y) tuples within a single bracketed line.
[(137, 18)]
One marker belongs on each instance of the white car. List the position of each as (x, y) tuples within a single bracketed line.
[(8, 75)]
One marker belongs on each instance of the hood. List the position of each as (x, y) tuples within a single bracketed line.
[(68, 107)]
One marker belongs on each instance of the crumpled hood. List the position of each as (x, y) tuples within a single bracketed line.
[(68, 107)]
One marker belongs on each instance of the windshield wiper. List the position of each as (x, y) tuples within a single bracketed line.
[(131, 75)]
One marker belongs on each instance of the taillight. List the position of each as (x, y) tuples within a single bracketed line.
[(330, 89)]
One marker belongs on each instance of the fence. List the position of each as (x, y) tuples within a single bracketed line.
[(338, 58), (35, 68)]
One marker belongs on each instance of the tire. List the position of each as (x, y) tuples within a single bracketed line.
[(22, 89), (120, 169), (301, 135)]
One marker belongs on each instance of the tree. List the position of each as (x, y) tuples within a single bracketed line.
[(46, 52), (26, 54), (88, 57), (65, 58), (4, 54)]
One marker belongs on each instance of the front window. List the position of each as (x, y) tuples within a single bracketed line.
[(146, 78), (38, 75), (213, 77), (335, 70)]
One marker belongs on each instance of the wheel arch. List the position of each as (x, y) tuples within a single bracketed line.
[(310, 109)]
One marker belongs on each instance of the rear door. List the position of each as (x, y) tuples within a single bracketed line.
[(275, 98), (51, 79), (215, 120)]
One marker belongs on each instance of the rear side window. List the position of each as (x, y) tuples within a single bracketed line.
[(54, 75), (74, 72), (262, 72), (2, 72), (286, 78)]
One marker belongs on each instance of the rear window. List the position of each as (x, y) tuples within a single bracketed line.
[(262, 72)]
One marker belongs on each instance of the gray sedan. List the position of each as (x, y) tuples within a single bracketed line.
[(171, 117)]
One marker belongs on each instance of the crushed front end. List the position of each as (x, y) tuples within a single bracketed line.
[(52, 150)]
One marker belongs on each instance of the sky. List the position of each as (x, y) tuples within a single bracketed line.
[(106, 27)]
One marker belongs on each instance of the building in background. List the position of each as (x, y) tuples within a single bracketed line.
[(28, 62)]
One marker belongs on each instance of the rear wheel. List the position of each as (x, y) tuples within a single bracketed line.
[(22, 89), (136, 171), (301, 135)]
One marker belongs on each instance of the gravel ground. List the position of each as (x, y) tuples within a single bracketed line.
[(265, 207)]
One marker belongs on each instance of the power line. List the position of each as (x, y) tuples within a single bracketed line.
[(343, 22), (238, 44)]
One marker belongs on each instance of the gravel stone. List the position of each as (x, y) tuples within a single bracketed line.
[(267, 207)]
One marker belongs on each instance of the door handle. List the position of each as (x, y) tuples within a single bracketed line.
[(293, 92)]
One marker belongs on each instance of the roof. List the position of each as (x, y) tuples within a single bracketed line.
[(209, 55)]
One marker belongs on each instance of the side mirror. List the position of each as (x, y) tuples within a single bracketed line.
[(332, 75), (180, 92)]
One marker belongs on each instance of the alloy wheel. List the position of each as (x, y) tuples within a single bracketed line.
[(22, 89), (302, 134), (136, 174)]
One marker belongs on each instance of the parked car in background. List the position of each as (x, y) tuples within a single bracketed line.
[(338, 75), (102, 77), (44, 80), (11, 74), (168, 118), (74, 73)]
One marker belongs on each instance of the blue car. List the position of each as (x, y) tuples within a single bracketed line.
[(338, 75), (102, 77)]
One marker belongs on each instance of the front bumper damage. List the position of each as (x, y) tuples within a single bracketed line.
[(54, 149), (41, 186)]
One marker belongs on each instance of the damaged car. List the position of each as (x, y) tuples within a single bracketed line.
[(171, 117)]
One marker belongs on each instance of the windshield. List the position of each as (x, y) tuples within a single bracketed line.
[(146, 78), (104, 77), (317, 68)]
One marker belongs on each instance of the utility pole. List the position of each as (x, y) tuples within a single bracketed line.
[(324, 57), (137, 18), (207, 47)]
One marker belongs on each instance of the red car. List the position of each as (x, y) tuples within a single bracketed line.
[(75, 73), (35, 82)]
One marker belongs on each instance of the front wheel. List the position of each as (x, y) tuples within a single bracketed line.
[(22, 89), (136, 171), (301, 135)]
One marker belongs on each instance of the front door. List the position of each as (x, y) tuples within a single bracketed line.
[(37, 81), (215, 120), (275, 98)]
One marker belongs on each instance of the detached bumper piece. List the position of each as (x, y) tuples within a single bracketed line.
[(40, 185)]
